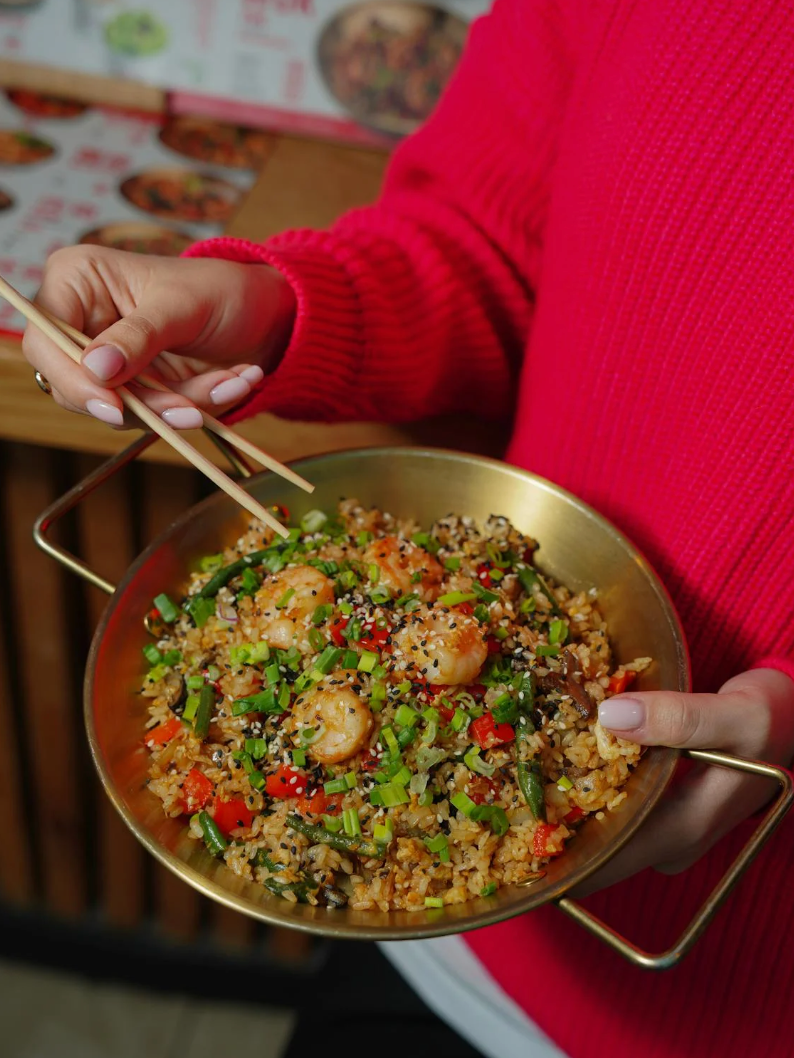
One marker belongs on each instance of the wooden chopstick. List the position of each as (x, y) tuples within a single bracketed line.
[(210, 423), (32, 313)]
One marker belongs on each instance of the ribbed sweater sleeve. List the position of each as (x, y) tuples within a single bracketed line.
[(421, 304)]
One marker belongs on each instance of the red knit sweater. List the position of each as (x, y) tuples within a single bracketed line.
[(594, 233)]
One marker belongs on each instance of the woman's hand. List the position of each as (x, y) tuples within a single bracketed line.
[(222, 323), (751, 716)]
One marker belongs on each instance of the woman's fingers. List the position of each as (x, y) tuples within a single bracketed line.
[(219, 390)]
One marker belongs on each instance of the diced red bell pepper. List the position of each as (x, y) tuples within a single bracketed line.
[(575, 814), (232, 815), (493, 645), (196, 791), (480, 788), (376, 637), (540, 843), (286, 782), (312, 803), (446, 711), (163, 733), (487, 733), (371, 761), (337, 628), (484, 575), (476, 690), (464, 607), (619, 682)]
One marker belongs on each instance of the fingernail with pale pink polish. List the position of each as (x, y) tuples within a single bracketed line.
[(105, 362), (183, 418), (231, 389), (253, 375), (105, 412), (621, 714)]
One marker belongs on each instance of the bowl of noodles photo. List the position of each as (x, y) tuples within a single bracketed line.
[(139, 237), (387, 62), (216, 143), (181, 194), (23, 148), (41, 105)]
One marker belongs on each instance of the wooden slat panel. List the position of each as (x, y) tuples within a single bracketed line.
[(47, 680), (88, 88), (290, 947), (107, 545), (16, 866), (230, 929), (165, 493)]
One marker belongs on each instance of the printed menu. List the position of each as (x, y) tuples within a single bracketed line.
[(354, 71), (73, 174)]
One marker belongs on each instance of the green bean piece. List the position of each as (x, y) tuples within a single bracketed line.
[(227, 573), (342, 842), (531, 785), (529, 578), (300, 889), (201, 724), (263, 859), (213, 839)]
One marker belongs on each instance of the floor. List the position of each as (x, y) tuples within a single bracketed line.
[(49, 1014)]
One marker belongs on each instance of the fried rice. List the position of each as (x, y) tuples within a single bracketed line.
[(373, 714)]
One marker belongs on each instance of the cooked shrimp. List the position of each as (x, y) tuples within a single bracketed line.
[(340, 715), (286, 602), (442, 646), (405, 568)]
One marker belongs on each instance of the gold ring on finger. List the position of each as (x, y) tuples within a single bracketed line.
[(42, 383)]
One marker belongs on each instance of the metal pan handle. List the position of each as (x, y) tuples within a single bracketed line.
[(73, 497), (674, 954)]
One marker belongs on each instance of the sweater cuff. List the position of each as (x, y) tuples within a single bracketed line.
[(785, 665), (317, 372)]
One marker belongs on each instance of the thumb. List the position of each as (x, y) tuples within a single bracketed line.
[(165, 319), (684, 721)]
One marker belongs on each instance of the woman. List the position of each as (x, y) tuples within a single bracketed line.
[(593, 232)]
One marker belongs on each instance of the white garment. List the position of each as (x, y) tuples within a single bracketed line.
[(455, 986)]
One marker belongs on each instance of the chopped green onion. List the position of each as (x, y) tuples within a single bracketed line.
[(483, 594), (363, 538), (384, 832), (377, 696), (406, 716), (350, 822), (460, 720), (418, 783), (387, 735), (316, 640), (257, 780), (309, 735), (379, 672), (504, 709), (194, 683), (439, 845), (349, 660), (172, 657), (332, 823), (353, 631), (328, 659), (393, 794), (260, 652), (200, 609), (530, 579), (452, 564), (489, 889), (213, 673), (367, 661), (350, 780), (251, 581), (544, 651), (206, 705), (313, 521), (481, 613), (474, 761), (428, 542), (428, 756), (213, 838), (347, 580), (335, 785), (245, 759), (373, 572), (403, 776), (211, 563), (528, 605), (426, 798), (564, 783), (558, 631), (496, 574), (430, 733), (283, 696), (152, 654), (283, 602), (380, 595), (455, 598), (321, 614), (501, 633), (256, 747), (463, 803), (500, 824), (404, 687), (346, 608), (239, 655), (434, 901), (273, 674), (191, 705), (166, 608), (375, 798), (264, 702), (405, 736), (299, 757)]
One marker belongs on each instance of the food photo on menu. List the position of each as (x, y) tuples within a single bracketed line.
[(396, 427)]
